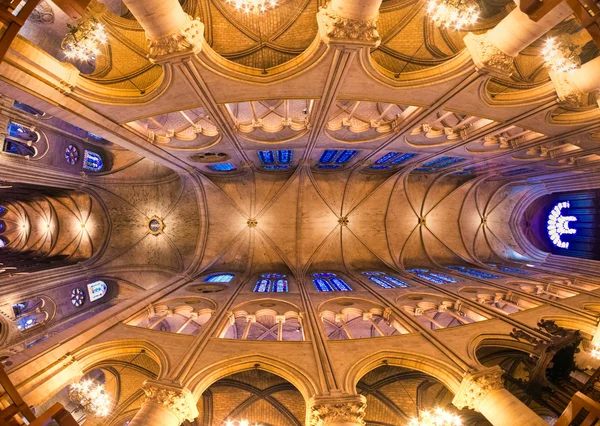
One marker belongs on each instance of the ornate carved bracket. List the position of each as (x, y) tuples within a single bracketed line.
[(184, 43), (487, 57), (566, 91), (176, 399), (475, 386), (336, 28), (329, 410)]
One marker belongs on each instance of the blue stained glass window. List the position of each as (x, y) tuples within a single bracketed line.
[(276, 283), (219, 278), (285, 156), (384, 280), (346, 156), (3, 242), (326, 281), (391, 159), (434, 277), (276, 167), (21, 132), (519, 171), (92, 161), (380, 167), (93, 136), (339, 284), (322, 285), (387, 157), (439, 163), (273, 275), (28, 109), (2, 226), (266, 157), (443, 277), (262, 286), (513, 270), (403, 158), (223, 167), (328, 156), (324, 275), (18, 148), (281, 286), (328, 166), (473, 272)]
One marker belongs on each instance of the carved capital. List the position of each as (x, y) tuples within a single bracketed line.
[(329, 410), (476, 386), (487, 57), (566, 91), (176, 399), (334, 27), (184, 43)]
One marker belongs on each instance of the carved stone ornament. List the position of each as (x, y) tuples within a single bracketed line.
[(176, 399), (566, 91), (476, 386), (334, 27), (487, 57), (331, 410), (188, 40)]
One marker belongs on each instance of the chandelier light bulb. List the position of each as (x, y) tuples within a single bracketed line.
[(437, 417), (454, 14), (84, 40), (559, 55), (255, 7), (596, 352), (92, 397)]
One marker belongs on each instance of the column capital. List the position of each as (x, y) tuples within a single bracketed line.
[(334, 27), (487, 57), (333, 410), (174, 398), (475, 386), (187, 41), (565, 89)]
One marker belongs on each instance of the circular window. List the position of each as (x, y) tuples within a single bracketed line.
[(71, 155), (155, 225), (77, 297)]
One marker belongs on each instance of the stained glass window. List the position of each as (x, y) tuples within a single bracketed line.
[(391, 159), (271, 283), (18, 148), (223, 167), (473, 272), (438, 164), (92, 161), (3, 242), (434, 277), (219, 278), (97, 290), (71, 154), (22, 133), (276, 160), (509, 270), (519, 171), (384, 280), (2, 226), (336, 158), (28, 109), (327, 281)]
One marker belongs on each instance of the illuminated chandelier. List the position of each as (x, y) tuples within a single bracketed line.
[(83, 40), (239, 423), (437, 417), (455, 14), (253, 6), (560, 56), (596, 352), (92, 397)]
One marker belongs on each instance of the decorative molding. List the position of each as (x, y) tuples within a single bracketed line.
[(330, 410), (334, 27), (475, 386), (487, 57), (566, 91), (176, 399), (184, 43)]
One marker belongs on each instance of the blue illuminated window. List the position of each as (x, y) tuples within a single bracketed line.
[(93, 136), (21, 132), (473, 272), (326, 281), (28, 109), (18, 148), (558, 225), (219, 278), (271, 283), (92, 161), (391, 159), (3, 242), (519, 171), (2, 226), (223, 167), (509, 270), (276, 160), (335, 158), (439, 163), (384, 280), (434, 277)]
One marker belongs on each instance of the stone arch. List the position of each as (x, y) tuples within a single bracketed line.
[(496, 340), (450, 376), (203, 379)]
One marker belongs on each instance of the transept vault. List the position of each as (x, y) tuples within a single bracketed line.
[(299, 212)]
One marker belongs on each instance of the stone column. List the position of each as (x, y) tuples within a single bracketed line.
[(343, 410), (170, 31), (484, 391), (494, 52), (350, 21), (571, 86), (165, 405)]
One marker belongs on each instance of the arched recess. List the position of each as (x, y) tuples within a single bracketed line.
[(449, 375), (302, 380)]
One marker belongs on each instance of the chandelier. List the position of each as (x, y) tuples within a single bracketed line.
[(454, 14), (596, 352), (83, 40), (253, 6), (437, 417), (559, 55), (92, 397)]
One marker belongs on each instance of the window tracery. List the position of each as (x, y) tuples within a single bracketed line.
[(30, 313), (327, 281), (434, 277), (219, 278), (391, 159), (473, 272), (385, 280), (439, 164), (92, 161), (175, 316), (437, 312), (222, 167), (271, 283), (336, 158), (280, 159)]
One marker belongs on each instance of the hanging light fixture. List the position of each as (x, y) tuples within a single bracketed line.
[(455, 14), (559, 55), (83, 40), (92, 397), (437, 417), (253, 6), (596, 352)]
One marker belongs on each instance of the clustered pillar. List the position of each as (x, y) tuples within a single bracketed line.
[(343, 410), (165, 405)]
